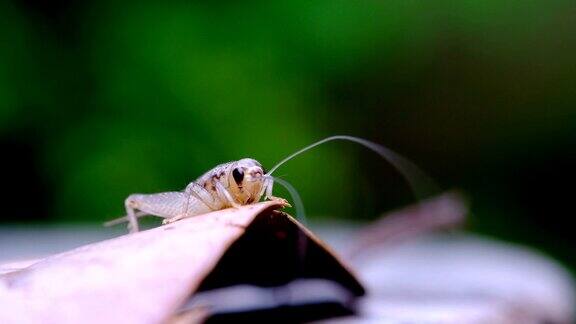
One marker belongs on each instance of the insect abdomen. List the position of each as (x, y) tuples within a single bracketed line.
[(169, 204)]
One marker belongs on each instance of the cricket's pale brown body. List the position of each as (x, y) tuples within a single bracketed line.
[(230, 184)]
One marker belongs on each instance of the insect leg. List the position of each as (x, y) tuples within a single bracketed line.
[(200, 193), (268, 186), (123, 219), (197, 193), (225, 194), (265, 185), (131, 204)]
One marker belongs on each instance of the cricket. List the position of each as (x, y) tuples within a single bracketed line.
[(244, 182)]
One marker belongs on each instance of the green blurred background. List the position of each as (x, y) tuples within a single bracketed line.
[(100, 99)]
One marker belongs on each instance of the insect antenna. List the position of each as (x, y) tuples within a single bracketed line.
[(296, 200), (420, 183)]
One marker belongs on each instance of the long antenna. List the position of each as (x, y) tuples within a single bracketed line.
[(298, 205), (420, 183)]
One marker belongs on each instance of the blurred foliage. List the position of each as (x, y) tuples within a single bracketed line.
[(109, 98)]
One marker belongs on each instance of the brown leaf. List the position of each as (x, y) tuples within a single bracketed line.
[(148, 276)]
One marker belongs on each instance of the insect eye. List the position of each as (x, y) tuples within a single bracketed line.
[(238, 175)]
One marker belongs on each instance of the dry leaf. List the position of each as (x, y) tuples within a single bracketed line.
[(148, 277)]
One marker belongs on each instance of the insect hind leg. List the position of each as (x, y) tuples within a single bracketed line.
[(132, 204)]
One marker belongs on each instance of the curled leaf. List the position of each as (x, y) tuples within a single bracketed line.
[(160, 274)]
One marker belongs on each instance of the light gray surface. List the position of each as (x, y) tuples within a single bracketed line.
[(21, 243), (456, 278), (450, 278)]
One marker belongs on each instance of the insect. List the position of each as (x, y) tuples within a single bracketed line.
[(244, 182)]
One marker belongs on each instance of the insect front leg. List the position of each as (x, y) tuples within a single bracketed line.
[(268, 186), (224, 194)]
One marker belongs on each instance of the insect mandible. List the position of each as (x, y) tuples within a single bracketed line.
[(245, 182)]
